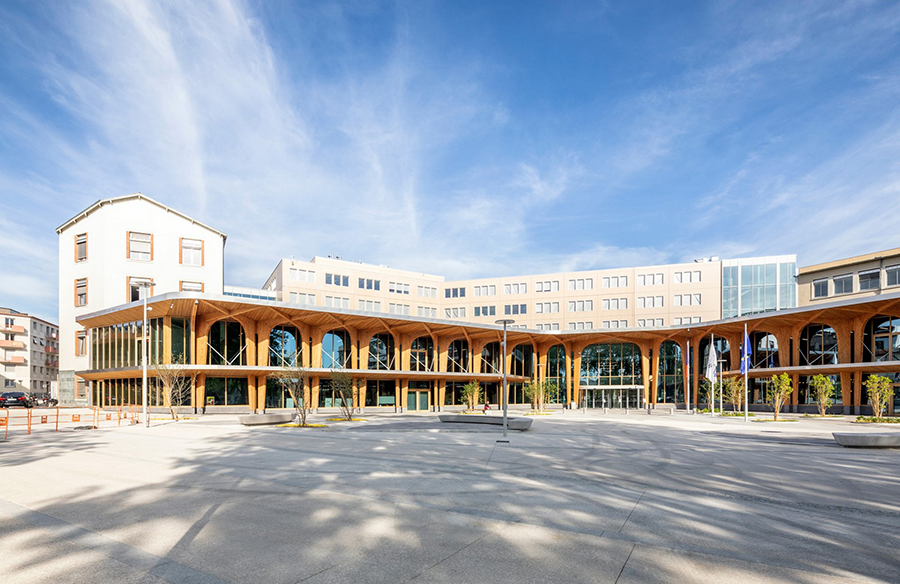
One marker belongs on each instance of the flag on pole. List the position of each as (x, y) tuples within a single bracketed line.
[(745, 354), (711, 364)]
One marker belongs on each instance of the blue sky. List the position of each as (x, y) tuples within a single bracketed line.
[(459, 138)]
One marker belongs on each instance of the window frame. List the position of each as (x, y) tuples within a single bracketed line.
[(181, 241), (86, 298), (85, 258), (128, 251)]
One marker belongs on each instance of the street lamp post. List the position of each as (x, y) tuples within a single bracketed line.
[(504, 322), (145, 291)]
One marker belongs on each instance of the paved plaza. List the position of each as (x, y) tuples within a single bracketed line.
[(403, 498)]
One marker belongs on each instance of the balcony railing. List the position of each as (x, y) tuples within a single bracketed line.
[(14, 329), (12, 360), (51, 350), (4, 344)]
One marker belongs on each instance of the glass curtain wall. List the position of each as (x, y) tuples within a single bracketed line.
[(421, 356), (336, 350), (227, 344), (610, 364), (670, 380), (181, 340), (763, 355), (556, 373), (381, 393), (818, 345), (126, 392), (458, 356), (226, 391), (381, 352), (491, 359), (121, 345), (285, 348), (881, 342)]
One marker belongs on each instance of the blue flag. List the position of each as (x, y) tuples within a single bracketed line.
[(745, 355)]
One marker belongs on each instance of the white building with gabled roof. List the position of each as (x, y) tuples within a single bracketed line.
[(113, 250)]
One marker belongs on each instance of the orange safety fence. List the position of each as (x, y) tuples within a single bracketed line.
[(94, 416)]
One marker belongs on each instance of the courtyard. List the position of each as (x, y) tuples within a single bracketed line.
[(403, 498)]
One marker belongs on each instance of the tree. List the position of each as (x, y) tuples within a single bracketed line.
[(177, 383), (779, 391), (471, 393), (708, 392), (881, 391), (342, 384), (734, 390), (293, 379), (537, 393), (822, 389)]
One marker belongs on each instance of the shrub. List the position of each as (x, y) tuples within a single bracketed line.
[(880, 391), (822, 390)]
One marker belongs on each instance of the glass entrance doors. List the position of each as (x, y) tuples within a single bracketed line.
[(417, 401), (612, 397)]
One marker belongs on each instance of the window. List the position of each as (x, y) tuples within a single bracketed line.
[(487, 290), (80, 343), (7, 383), (398, 309), (428, 291), (870, 280), (191, 253), (650, 280), (485, 311), (298, 275), (454, 292), (554, 326), (651, 301), (81, 247), (581, 326), (612, 282), (337, 302), (820, 288), (615, 324), (581, 305), (81, 292), (514, 309), (369, 284), (458, 312), (893, 275), (140, 246), (338, 280), (191, 286), (547, 286), (138, 288), (521, 288), (301, 298), (427, 311), (398, 288), (370, 305), (546, 307), (843, 284)]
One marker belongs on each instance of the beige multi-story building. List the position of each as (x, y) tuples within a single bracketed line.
[(29, 353), (857, 276), (637, 297)]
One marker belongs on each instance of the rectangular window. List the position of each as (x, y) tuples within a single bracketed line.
[(641, 280), (140, 246), (427, 291), (843, 284), (427, 311), (191, 286), (138, 288), (301, 298), (298, 275), (820, 288), (370, 305), (328, 278), (81, 247), (870, 280), (191, 252), (893, 275), (80, 343), (81, 292)]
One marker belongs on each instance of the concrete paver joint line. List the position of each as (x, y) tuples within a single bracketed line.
[(625, 563), (636, 503), (115, 550)]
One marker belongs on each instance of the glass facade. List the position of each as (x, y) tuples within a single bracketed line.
[(556, 373), (611, 364), (491, 360), (381, 352), (458, 356), (670, 377), (818, 345), (126, 392), (121, 345), (421, 356), (226, 391), (285, 347), (382, 392), (753, 286), (227, 344), (336, 349)]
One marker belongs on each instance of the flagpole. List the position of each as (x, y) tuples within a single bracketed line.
[(712, 394), (746, 368)]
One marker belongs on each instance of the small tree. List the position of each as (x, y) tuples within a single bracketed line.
[(779, 391), (471, 393), (822, 389), (734, 390), (342, 384), (881, 391), (708, 392), (293, 379), (177, 383), (537, 392)]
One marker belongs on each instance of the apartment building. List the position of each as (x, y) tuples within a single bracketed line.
[(855, 277), (114, 252), (638, 297), (29, 353)]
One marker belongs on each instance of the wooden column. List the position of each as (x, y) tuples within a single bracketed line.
[(404, 393), (316, 350), (200, 390), (654, 368), (167, 339), (685, 375), (314, 390), (576, 380), (645, 370), (252, 398)]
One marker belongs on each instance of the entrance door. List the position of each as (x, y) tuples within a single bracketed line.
[(417, 401), (896, 400)]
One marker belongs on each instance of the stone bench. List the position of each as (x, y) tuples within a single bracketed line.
[(266, 419), (860, 440), (511, 423)]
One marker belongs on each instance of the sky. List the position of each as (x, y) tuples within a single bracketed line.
[(465, 139)]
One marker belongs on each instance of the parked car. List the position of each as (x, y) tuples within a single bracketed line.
[(45, 399), (17, 398)]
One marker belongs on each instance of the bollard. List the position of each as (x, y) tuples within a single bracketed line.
[(29, 422)]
